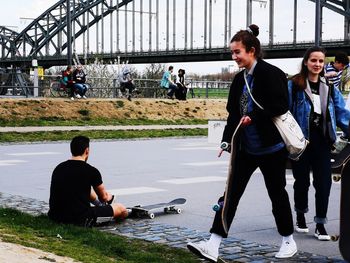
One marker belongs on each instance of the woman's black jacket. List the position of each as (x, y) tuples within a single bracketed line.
[(270, 91)]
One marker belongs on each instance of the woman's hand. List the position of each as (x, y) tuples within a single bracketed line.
[(220, 152), (246, 120)]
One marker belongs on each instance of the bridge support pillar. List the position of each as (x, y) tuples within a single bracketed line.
[(36, 78), (346, 20), (271, 22), (69, 35), (249, 12), (318, 22)]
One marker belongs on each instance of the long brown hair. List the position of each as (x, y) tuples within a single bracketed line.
[(300, 79), (249, 39)]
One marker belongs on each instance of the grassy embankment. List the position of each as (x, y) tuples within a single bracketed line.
[(82, 244), (60, 112)]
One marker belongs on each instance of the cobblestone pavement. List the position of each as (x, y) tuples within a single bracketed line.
[(231, 250)]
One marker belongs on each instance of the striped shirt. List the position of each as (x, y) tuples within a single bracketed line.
[(336, 79)]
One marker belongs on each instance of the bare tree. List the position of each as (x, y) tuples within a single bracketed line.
[(154, 71)]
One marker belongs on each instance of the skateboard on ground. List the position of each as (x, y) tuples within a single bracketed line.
[(227, 199), (343, 164), (149, 210)]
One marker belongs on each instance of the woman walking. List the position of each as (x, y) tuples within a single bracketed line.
[(318, 108), (259, 143)]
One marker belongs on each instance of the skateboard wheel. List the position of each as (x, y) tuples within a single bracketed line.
[(178, 211), (334, 237), (336, 178), (151, 215), (216, 207)]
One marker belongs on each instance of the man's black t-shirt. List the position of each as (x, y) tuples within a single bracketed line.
[(70, 189)]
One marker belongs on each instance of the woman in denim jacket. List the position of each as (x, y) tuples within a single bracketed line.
[(318, 108)]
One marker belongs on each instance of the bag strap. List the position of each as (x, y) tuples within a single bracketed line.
[(247, 85), (294, 96)]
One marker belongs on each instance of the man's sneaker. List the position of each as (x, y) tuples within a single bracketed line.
[(84, 97), (72, 98), (321, 233), (287, 250), (78, 96), (203, 250)]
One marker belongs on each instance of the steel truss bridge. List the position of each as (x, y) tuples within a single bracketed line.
[(150, 31)]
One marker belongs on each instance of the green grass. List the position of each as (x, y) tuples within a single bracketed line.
[(68, 135), (83, 244), (85, 120), (212, 93)]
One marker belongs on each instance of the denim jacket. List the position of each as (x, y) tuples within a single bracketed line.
[(332, 108)]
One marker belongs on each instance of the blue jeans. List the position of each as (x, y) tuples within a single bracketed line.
[(80, 88), (171, 90), (317, 158)]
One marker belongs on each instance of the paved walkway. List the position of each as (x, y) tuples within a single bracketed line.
[(107, 127), (231, 250)]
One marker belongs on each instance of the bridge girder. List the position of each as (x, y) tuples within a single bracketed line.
[(7, 37), (41, 31), (52, 24), (332, 5), (290, 50)]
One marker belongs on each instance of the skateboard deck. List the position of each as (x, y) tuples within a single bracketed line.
[(344, 229), (149, 210), (229, 181), (340, 158)]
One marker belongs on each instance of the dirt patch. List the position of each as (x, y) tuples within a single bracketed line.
[(19, 254), (151, 109)]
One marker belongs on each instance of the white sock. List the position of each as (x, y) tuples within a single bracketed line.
[(215, 241), (288, 239)]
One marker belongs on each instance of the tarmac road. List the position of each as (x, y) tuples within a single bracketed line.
[(158, 170)]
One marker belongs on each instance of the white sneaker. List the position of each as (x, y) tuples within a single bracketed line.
[(203, 250), (84, 97), (78, 96), (287, 250), (302, 229), (72, 98)]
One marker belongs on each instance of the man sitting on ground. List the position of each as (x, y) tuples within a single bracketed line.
[(75, 184), (126, 82), (167, 83)]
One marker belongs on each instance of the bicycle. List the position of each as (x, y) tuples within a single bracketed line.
[(58, 90)]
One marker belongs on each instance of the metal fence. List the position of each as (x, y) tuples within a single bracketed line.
[(50, 86)]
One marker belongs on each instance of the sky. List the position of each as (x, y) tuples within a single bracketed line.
[(17, 14)]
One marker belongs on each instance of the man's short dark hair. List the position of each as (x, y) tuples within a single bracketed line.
[(78, 145), (341, 57), (171, 67)]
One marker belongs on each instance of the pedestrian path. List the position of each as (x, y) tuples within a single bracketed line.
[(103, 128), (231, 250)]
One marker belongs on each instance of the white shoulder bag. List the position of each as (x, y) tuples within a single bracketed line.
[(288, 128)]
